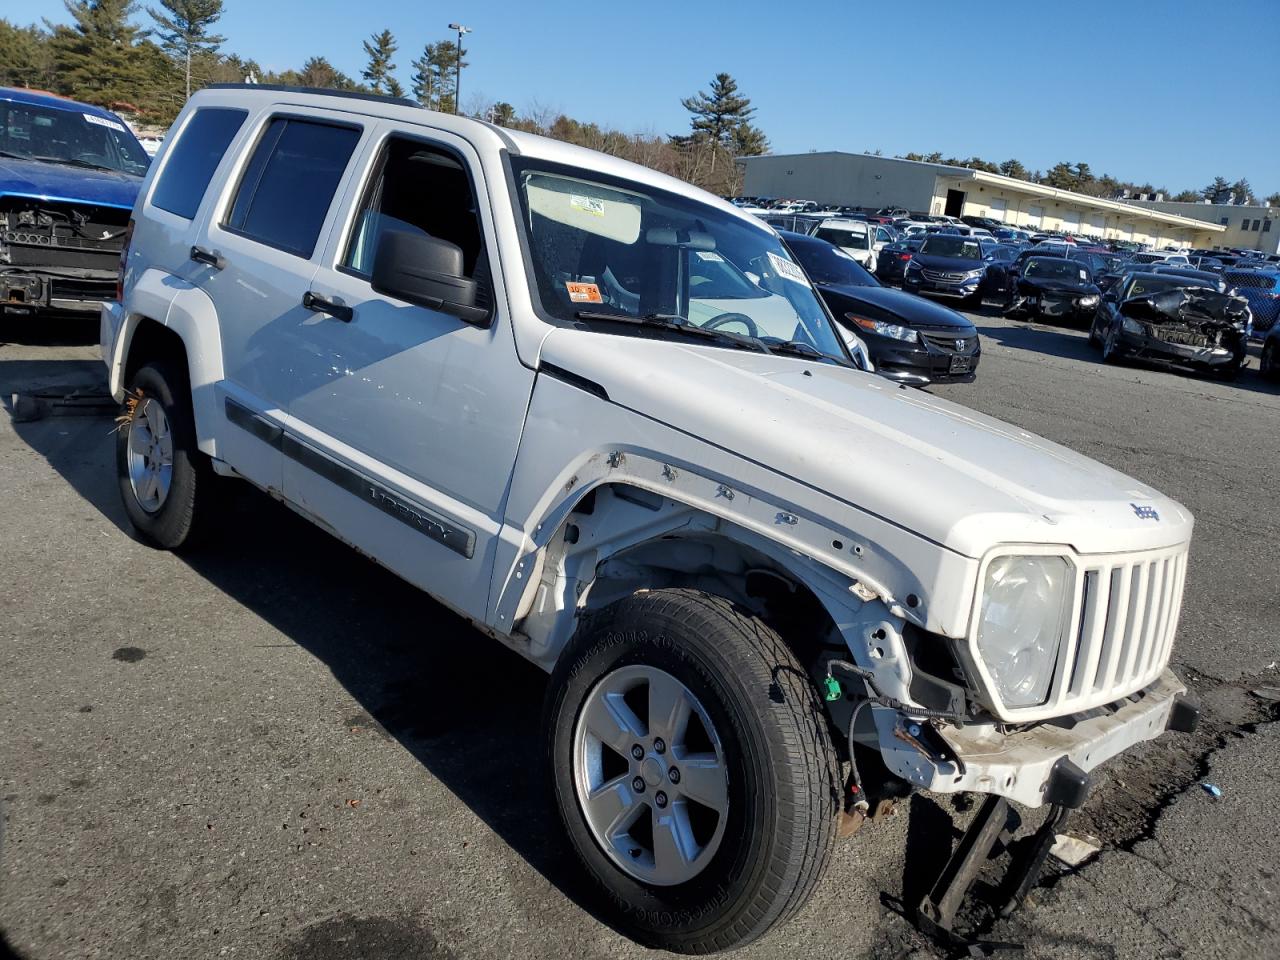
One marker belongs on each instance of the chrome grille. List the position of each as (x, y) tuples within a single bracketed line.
[(1123, 620), (1123, 629), (939, 276)]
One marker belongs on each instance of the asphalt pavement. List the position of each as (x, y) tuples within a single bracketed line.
[(275, 749)]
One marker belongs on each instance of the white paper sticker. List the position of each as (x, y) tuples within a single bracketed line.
[(103, 122), (706, 255), (1083, 275), (591, 205), (785, 268)]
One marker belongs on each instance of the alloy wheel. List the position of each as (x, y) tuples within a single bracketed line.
[(650, 775), (150, 455)]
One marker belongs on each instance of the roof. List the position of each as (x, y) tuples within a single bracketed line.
[(43, 98), (515, 142), (1023, 186)]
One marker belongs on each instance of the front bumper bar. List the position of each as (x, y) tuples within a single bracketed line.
[(1027, 766)]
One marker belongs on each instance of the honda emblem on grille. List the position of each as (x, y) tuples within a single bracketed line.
[(959, 345), (1144, 512)]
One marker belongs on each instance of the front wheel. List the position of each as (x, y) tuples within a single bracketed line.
[(1269, 365), (1111, 352), (692, 769)]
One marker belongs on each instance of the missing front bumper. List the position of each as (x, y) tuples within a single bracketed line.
[(1020, 766)]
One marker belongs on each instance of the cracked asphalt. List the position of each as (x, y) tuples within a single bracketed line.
[(275, 749)]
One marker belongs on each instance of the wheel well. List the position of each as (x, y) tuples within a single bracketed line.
[(153, 341)]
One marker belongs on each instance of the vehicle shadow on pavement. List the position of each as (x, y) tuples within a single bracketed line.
[(467, 708)]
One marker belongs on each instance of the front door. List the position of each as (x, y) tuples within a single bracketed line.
[(411, 417)]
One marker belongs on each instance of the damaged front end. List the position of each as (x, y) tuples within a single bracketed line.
[(1193, 327), (57, 254)]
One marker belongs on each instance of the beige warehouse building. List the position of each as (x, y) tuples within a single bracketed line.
[(1244, 227), (859, 179)]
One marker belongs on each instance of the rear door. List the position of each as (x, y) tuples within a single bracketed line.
[(260, 250)]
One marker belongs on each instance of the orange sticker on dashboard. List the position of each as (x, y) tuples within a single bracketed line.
[(584, 292)]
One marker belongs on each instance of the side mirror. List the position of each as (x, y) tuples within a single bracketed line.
[(428, 272)]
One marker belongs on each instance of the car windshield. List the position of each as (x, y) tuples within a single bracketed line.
[(845, 237), (1145, 286), (831, 265), (57, 135), (600, 245), (960, 248), (1054, 268)]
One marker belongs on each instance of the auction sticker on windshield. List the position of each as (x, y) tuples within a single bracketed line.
[(591, 205), (785, 268), (583, 292), (103, 122)]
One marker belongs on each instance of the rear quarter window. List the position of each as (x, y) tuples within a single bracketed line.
[(289, 183), (191, 161)]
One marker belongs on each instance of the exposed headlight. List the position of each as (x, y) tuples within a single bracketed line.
[(1021, 623), (912, 266), (1090, 301), (884, 329), (1129, 325)]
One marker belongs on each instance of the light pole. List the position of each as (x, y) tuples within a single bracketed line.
[(457, 77)]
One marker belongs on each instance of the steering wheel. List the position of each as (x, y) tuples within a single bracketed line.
[(723, 319)]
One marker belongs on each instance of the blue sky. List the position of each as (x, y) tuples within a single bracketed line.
[(1173, 92)]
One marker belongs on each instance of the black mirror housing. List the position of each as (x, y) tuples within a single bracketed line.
[(427, 272)]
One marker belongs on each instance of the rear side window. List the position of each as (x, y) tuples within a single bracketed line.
[(192, 160), (289, 183)]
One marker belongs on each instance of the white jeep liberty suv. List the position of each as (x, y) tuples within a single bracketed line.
[(604, 416)]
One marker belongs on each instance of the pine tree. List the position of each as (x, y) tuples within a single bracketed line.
[(380, 67), (1243, 191), (1218, 189), (24, 56), (722, 118), (184, 29), (101, 56), (435, 74), (1014, 168)]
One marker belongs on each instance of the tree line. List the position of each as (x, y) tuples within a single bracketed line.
[(147, 70), (1079, 178)]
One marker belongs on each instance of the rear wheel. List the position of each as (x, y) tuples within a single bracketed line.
[(692, 769), (165, 481)]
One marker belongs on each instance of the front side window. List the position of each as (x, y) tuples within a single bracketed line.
[(416, 188), (603, 246), (289, 183), (191, 161), (68, 136)]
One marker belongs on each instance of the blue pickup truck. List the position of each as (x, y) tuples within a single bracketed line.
[(69, 174)]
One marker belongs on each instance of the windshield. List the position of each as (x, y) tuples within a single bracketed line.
[(845, 237), (831, 265), (600, 245), (55, 135), (1145, 286), (1054, 268), (959, 248)]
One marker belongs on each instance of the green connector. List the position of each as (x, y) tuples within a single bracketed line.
[(833, 688)]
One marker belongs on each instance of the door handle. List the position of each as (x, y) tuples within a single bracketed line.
[(322, 305), (209, 257)]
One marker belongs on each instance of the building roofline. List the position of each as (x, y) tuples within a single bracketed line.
[(1013, 183)]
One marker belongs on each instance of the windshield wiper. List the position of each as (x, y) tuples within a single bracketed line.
[(676, 324), (798, 348), (75, 162)]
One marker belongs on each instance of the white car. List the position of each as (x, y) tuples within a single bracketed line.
[(857, 238), (605, 417)]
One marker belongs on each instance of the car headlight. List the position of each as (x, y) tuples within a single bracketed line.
[(1090, 301), (975, 274), (913, 266), (1129, 325), (1020, 625), (893, 330)]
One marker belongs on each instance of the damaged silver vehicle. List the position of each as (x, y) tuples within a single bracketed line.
[(69, 174), (1173, 320)]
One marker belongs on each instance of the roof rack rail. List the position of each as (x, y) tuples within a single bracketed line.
[(322, 91)]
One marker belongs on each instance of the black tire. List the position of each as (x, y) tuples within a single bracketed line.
[(784, 777), (183, 515), (1111, 350), (1094, 340)]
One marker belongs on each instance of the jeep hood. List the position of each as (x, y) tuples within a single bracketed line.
[(37, 179), (939, 470)]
